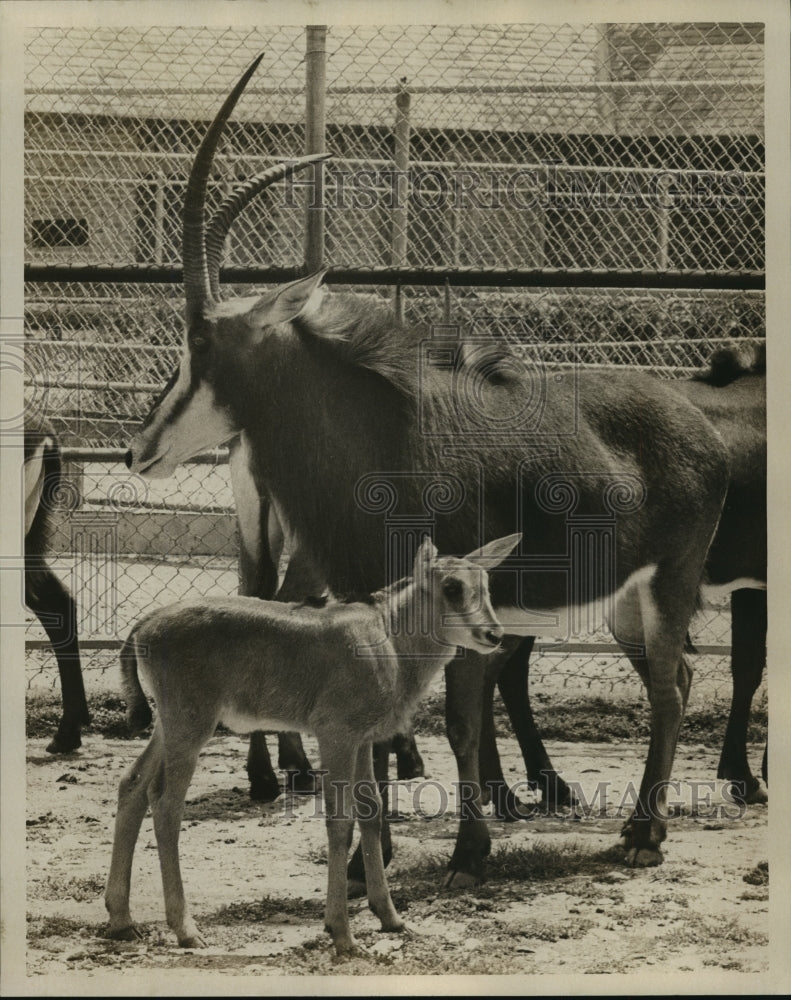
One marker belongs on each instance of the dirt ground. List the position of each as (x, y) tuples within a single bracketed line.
[(558, 897)]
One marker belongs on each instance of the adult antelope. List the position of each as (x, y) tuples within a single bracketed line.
[(252, 664), (347, 420), (731, 392), (45, 595)]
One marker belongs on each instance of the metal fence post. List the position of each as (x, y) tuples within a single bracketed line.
[(605, 100), (159, 217), (399, 238), (315, 119)]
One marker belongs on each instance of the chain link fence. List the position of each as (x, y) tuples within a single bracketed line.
[(573, 150)]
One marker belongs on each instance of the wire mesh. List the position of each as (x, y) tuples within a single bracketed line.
[(630, 147)]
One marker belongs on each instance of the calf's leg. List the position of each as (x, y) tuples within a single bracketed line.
[(132, 806)]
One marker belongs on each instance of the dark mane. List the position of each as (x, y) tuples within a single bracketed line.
[(367, 335), (731, 363)]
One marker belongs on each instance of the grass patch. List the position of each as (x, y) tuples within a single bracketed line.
[(266, 909), (599, 720), (41, 928), (81, 889), (548, 862), (506, 868), (574, 720), (108, 716), (700, 930)]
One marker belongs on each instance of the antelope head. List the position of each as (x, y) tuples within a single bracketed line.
[(194, 411), (457, 592)]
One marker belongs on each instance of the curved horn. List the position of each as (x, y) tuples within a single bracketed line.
[(196, 276), (233, 203)]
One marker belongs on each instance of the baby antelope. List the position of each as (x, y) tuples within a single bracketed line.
[(349, 673)]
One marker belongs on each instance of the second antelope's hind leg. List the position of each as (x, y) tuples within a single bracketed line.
[(291, 758), (409, 763), (514, 685), (368, 806), (655, 614), (748, 658), (264, 783), (133, 795)]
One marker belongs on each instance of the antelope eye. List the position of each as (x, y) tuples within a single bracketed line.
[(452, 588)]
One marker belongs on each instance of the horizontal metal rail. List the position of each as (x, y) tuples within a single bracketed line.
[(611, 649), (217, 456), (336, 160), (537, 87), (456, 276)]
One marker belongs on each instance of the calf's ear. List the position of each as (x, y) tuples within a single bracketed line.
[(492, 553), (424, 557)]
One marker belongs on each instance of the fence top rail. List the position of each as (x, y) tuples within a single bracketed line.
[(398, 87), (375, 275)]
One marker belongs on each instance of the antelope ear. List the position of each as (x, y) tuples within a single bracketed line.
[(300, 298), (492, 554), (424, 556)]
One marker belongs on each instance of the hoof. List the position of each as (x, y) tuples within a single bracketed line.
[(355, 889), (462, 880), (130, 933), (265, 791), (644, 857), (64, 742), (345, 947), (394, 927), (759, 796), (751, 792), (510, 809), (409, 768), (192, 941), (556, 794), (139, 719), (301, 782)]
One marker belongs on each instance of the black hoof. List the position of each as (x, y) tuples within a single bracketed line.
[(301, 782), (65, 742), (511, 809), (265, 790), (555, 793), (139, 719), (750, 792), (409, 767)]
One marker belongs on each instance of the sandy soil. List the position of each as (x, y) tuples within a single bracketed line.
[(558, 897)]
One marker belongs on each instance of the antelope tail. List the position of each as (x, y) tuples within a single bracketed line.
[(138, 711)]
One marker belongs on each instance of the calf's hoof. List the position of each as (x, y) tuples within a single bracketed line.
[(344, 944), (192, 941), (128, 933)]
